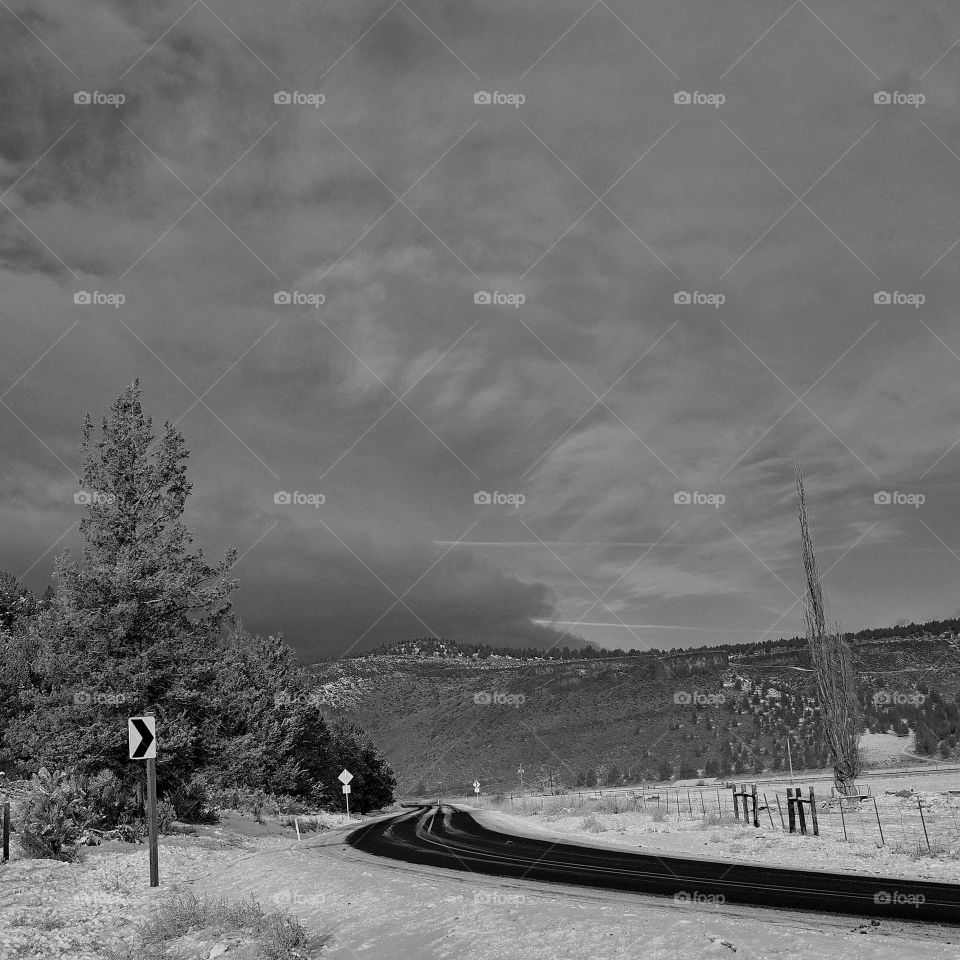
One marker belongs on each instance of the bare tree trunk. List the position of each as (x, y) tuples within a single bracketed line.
[(832, 665)]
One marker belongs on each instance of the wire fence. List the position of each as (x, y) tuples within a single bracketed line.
[(929, 822)]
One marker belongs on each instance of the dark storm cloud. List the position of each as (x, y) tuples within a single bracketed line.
[(598, 400)]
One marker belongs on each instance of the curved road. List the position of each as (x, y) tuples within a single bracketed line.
[(448, 837)]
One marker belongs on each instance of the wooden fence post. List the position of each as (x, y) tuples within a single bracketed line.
[(780, 811), (736, 802), (756, 807), (924, 822), (791, 810), (6, 830), (879, 825), (801, 816), (813, 814)]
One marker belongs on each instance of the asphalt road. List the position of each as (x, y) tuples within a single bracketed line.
[(449, 837)]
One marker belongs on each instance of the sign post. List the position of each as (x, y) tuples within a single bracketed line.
[(142, 740), (476, 789), (345, 777)]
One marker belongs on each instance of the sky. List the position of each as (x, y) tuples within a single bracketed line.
[(526, 309)]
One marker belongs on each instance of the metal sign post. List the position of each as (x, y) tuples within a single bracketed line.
[(142, 741), (345, 777), (476, 789)]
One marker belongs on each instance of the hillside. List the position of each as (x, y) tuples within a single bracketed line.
[(445, 714)]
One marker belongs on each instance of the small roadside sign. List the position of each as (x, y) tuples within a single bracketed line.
[(345, 777), (142, 745), (476, 786), (142, 738)]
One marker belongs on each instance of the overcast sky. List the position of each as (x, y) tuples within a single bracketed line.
[(783, 196)]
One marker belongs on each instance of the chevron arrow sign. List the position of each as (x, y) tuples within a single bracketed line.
[(142, 737)]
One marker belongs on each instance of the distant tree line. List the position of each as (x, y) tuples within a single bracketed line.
[(438, 646)]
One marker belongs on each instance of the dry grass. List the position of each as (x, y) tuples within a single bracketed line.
[(593, 824), (277, 936)]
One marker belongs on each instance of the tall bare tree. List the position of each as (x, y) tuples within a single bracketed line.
[(832, 664)]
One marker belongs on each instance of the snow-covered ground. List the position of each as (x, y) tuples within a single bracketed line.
[(898, 831), (366, 908), (732, 840)]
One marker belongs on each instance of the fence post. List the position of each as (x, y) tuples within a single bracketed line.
[(719, 807), (879, 826), (743, 796), (780, 811), (813, 814), (689, 804), (843, 820), (6, 830), (801, 816), (924, 822), (766, 803), (736, 802), (703, 806), (792, 810), (756, 811)]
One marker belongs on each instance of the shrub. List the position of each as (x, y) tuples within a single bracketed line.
[(53, 814), (166, 815), (275, 936), (593, 824), (191, 800)]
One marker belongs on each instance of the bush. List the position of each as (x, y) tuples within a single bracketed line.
[(192, 802), (274, 935), (53, 815), (593, 824), (112, 802)]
